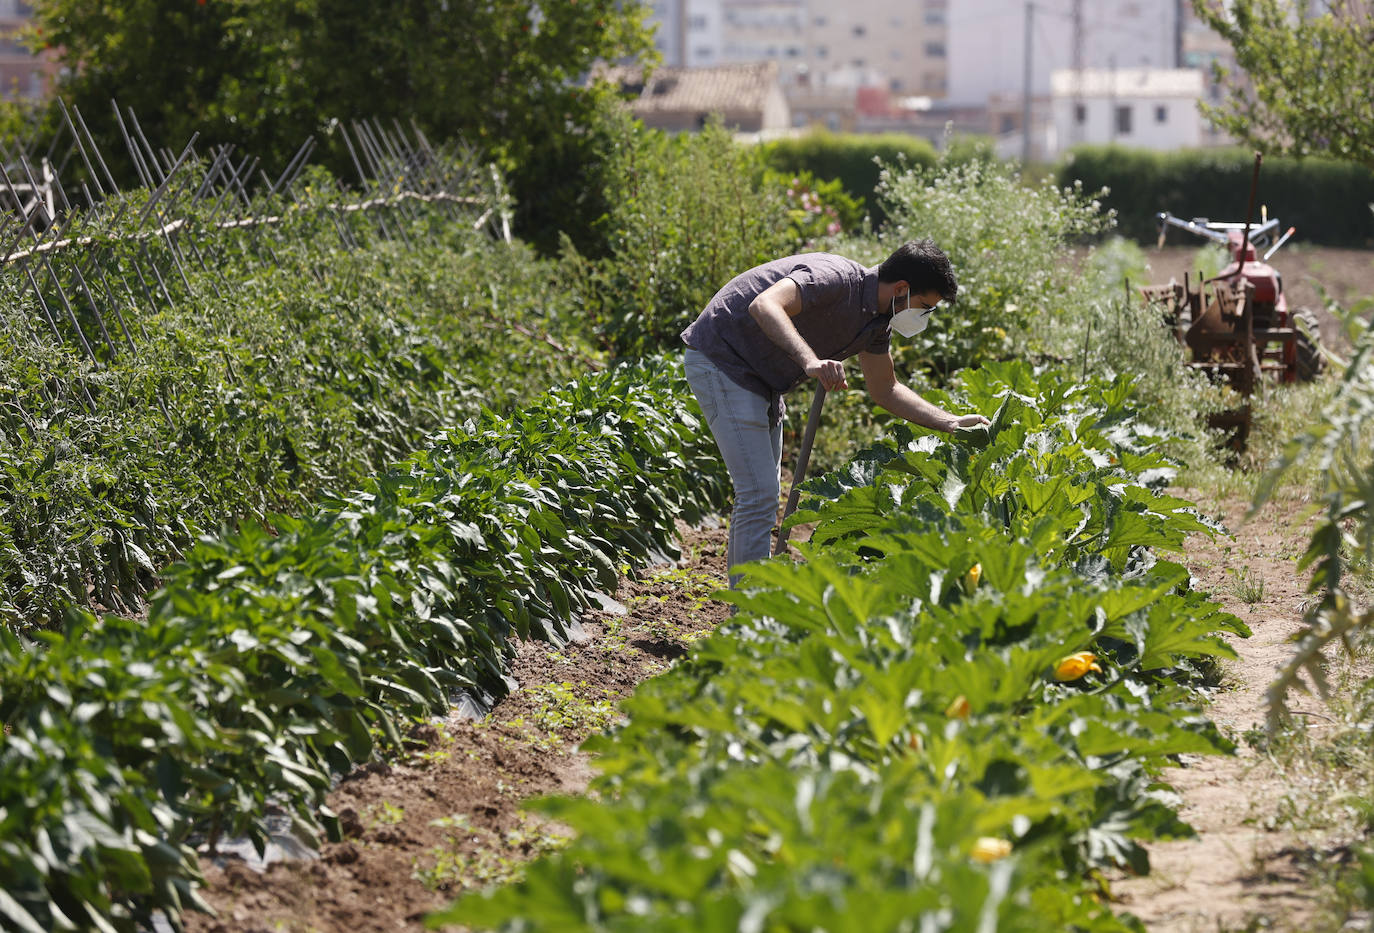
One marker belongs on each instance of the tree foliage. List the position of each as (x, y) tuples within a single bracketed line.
[(265, 74), (1309, 75)]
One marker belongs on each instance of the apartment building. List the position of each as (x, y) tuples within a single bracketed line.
[(23, 75), (897, 45)]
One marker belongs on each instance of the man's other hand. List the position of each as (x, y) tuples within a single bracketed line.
[(977, 436), (968, 421), (830, 373)]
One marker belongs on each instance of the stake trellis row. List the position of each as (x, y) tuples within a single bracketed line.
[(189, 211)]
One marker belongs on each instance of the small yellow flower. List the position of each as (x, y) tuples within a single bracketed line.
[(958, 708), (975, 573), (1076, 665), (987, 849)]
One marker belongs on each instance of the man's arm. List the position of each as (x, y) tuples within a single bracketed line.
[(883, 388), (773, 311)]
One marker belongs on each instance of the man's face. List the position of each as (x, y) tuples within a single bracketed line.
[(913, 318)]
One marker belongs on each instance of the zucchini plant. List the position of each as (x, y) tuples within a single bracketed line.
[(951, 716)]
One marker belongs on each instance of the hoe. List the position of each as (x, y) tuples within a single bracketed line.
[(813, 421)]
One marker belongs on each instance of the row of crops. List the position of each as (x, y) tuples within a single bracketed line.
[(951, 716), (286, 370), (269, 663)]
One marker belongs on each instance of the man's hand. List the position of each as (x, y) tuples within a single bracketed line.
[(967, 421), (830, 373), (971, 430)]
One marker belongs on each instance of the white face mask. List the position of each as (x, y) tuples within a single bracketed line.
[(910, 321)]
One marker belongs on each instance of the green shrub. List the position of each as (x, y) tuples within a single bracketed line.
[(691, 212), (818, 210), (1006, 240)]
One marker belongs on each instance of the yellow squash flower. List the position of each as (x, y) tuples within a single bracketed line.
[(1076, 665), (975, 573), (987, 849)]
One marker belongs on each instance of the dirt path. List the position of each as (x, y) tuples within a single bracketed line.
[(1239, 873), (448, 817)]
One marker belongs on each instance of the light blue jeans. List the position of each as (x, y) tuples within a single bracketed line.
[(752, 450)]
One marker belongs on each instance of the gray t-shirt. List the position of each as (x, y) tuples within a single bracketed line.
[(839, 318)]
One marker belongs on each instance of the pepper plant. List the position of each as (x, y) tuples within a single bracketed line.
[(274, 659)]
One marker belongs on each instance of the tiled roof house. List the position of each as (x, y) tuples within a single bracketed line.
[(23, 75), (747, 97)]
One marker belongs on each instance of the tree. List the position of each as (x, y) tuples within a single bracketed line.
[(265, 74), (1309, 75)]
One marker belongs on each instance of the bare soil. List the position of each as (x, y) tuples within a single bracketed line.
[(1244, 870)]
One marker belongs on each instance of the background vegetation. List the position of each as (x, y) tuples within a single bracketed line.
[(854, 160), (1301, 71), (266, 74)]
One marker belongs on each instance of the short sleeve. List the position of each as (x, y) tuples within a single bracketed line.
[(820, 286)]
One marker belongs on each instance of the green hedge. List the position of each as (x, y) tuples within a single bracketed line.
[(270, 662), (1327, 201), (851, 158)]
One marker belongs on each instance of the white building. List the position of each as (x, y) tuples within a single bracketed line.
[(987, 42), (1149, 108)]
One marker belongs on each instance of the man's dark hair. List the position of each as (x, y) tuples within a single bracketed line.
[(923, 266)]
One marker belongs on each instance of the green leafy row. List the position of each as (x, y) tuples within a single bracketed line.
[(950, 717), (270, 662), (288, 367)]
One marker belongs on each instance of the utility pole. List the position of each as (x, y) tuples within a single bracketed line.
[(1111, 98), (682, 23), (1179, 8), (1026, 92), (1076, 131)]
